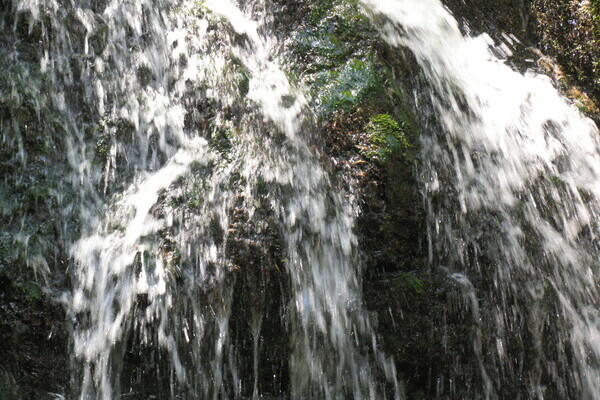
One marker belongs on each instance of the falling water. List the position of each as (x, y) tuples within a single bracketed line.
[(511, 176), (201, 137), (206, 225)]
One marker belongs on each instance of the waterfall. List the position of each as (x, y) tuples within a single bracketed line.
[(188, 150), (209, 249), (511, 184)]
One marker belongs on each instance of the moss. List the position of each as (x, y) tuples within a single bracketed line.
[(335, 51), (200, 5), (387, 136), (337, 28), (29, 290), (238, 75), (20, 81), (409, 283), (557, 182), (5, 250), (196, 194)]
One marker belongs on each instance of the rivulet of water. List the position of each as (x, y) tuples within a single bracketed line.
[(182, 129), (511, 182)]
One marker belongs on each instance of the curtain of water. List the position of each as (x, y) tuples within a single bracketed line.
[(158, 81), (511, 181)]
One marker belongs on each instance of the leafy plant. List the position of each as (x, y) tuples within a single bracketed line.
[(345, 87)]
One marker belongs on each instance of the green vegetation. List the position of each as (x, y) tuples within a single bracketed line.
[(576, 44), (337, 29), (595, 16), (32, 163), (28, 289), (387, 136), (345, 87), (409, 283), (336, 58), (102, 146), (346, 11), (19, 84), (196, 193), (595, 13), (342, 64), (326, 47)]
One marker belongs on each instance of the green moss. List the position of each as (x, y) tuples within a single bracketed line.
[(338, 59), (557, 182), (28, 289), (200, 5), (387, 136), (197, 185), (406, 283), (238, 76), (20, 84), (5, 250), (145, 75)]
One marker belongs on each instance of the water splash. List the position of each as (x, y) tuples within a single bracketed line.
[(512, 187)]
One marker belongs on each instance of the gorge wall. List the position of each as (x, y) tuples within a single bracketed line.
[(365, 95)]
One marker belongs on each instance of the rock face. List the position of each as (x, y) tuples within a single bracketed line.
[(502, 16), (417, 312), (562, 35), (33, 332), (569, 30), (34, 342), (357, 82)]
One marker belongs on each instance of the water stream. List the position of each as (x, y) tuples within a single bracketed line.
[(511, 178), (160, 219)]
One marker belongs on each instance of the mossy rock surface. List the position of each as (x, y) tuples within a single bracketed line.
[(565, 30), (387, 137), (569, 30)]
